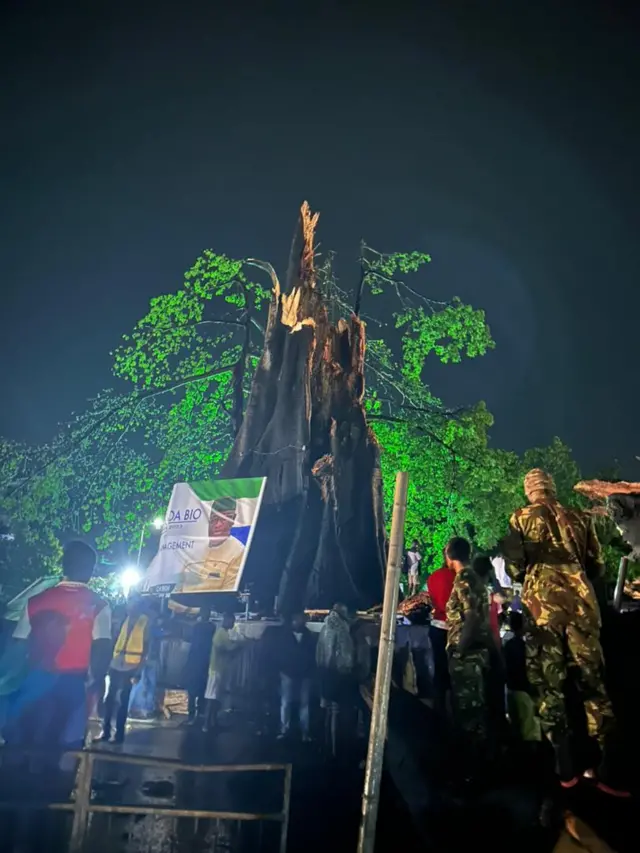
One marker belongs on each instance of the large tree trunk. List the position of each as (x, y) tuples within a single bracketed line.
[(321, 534)]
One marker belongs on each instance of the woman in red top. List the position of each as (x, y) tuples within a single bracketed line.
[(439, 586)]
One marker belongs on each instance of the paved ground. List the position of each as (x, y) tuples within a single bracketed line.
[(325, 801)]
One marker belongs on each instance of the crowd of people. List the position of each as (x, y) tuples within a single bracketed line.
[(73, 656), (551, 641), (493, 661), (295, 664)]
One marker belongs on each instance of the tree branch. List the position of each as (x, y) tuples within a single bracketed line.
[(454, 453), (358, 302), (198, 377), (140, 397), (266, 266)]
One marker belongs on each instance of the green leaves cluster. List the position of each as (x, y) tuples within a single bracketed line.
[(455, 331), (381, 270), (111, 469), (174, 340)]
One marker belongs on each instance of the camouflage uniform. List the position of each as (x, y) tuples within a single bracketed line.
[(468, 667), (558, 551)]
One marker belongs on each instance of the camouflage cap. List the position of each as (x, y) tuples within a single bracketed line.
[(538, 485)]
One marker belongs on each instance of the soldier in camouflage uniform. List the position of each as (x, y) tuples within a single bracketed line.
[(468, 641), (557, 551)]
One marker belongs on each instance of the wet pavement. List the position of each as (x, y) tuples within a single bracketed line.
[(174, 741), (325, 797)]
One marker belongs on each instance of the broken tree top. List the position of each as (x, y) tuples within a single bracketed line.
[(601, 489), (322, 537)]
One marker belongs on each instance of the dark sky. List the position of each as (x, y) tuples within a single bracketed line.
[(501, 136)]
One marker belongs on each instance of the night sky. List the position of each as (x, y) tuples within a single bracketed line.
[(501, 137)]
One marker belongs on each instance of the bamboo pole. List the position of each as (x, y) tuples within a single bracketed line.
[(286, 806), (380, 710), (82, 803), (622, 578)]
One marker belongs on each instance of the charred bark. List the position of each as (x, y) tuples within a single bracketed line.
[(321, 535)]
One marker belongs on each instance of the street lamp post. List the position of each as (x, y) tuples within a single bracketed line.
[(157, 523)]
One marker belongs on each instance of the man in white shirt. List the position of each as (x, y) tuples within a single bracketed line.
[(414, 558), (500, 569)]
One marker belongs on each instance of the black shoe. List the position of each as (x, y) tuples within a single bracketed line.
[(564, 764), (610, 780), (612, 776)]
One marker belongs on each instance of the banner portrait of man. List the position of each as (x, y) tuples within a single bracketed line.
[(221, 564), (206, 538)]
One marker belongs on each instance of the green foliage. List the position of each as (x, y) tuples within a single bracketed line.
[(381, 270), (458, 485), (29, 548), (111, 469), (170, 342), (450, 333)]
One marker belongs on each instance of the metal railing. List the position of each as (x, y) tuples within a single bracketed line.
[(83, 807)]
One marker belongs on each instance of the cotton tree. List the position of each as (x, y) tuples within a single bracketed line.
[(305, 424), (321, 386)]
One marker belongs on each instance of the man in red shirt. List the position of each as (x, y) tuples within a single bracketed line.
[(439, 586), (68, 631)]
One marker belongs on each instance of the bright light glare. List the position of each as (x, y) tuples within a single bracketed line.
[(129, 577), (158, 523)]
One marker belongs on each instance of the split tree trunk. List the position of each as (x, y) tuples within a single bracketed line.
[(321, 535)]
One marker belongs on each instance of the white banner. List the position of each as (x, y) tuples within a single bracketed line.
[(206, 537)]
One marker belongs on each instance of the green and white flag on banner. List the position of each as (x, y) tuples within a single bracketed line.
[(206, 536)]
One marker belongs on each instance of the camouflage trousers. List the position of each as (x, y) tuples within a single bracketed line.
[(553, 649), (468, 673)]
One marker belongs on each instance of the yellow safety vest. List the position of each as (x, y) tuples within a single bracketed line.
[(131, 642)]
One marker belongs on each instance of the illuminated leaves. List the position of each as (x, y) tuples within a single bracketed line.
[(182, 335), (112, 467), (453, 331), (381, 271)]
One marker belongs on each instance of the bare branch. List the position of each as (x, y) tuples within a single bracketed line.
[(258, 326), (212, 321), (266, 266), (198, 377), (358, 302)]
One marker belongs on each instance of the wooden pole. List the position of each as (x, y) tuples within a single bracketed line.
[(82, 803), (380, 709), (284, 829), (622, 578)]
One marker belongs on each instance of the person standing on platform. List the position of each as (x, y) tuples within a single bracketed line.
[(197, 668), (468, 644), (336, 660), (439, 587), (522, 712), (495, 675), (414, 558), (296, 663), (129, 656), (226, 642), (557, 551), (362, 670), (67, 629)]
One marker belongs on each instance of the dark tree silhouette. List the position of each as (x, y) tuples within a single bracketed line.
[(321, 536)]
